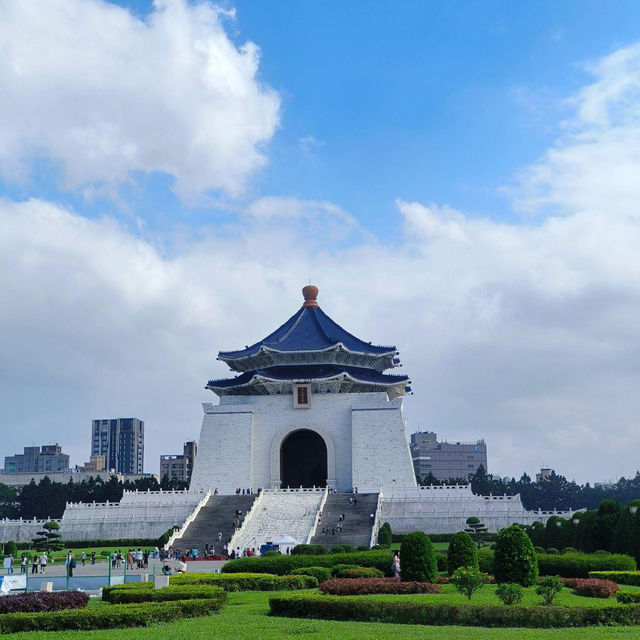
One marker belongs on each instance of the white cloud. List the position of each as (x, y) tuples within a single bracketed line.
[(595, 165), (309, 142), (105, 94)]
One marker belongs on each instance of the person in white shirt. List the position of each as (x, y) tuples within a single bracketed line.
[(181, 565)]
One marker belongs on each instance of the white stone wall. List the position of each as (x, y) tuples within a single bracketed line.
[(241, 437), (145, 514), (20, 530), (381, 455), (446, 509)]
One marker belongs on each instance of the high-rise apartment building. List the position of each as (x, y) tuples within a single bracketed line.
[(179, 466), (121, 442), (46, 459), (446, 460)]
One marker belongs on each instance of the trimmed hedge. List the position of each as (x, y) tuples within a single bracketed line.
[(594, 588), (628, 597), (33, 602), (631, 578), (309, 550), (485, 560), (248, 581), (462, 552), (375, 609), (366, 586), (285, 564), (515, 560), (108, 617), (359, 572), (418, 559), (116, 595), (319, 573), (579, 565)]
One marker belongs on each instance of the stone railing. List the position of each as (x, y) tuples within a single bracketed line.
[(376, 523), (317, 520), (239, 532), (194, 514)]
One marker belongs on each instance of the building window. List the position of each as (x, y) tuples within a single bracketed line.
[(301, 396)]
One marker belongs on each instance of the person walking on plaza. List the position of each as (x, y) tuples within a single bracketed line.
[(34, 564), (43, 562), (93, 557), (23, 563), (83, 558), (395, 566), (71, 563)]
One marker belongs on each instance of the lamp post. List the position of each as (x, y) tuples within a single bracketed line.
[(633, 509)]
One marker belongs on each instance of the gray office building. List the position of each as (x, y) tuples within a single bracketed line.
[(121, 442), (46, 459), (446, 460), (179, 467)]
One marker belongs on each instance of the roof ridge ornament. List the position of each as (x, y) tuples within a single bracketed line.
[(310, 293)]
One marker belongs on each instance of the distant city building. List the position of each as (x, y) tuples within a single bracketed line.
[(545, 474), (179, 467), (121, 442), (96, 463), (46, 459), (446, 459)]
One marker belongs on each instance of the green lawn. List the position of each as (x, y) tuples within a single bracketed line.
[(246, 618)]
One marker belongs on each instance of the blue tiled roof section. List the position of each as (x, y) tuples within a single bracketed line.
[(310, 329), (309, 372)]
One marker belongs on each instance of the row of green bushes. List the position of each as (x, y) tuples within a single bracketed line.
[(631, 578), (145, 592), (284, 565), (380, 609), (444, 537), (108, 617)]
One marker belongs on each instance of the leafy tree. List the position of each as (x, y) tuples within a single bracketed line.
[(467, 580), (418, 558), (510, 593), (605, 525), (462, 552), (549, 588), (11, 548), (476, 528), (49, 537), (515, 558)]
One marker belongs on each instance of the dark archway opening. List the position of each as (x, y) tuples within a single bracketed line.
[(303, 460)]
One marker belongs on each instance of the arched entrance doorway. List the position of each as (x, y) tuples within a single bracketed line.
[(303, 460)]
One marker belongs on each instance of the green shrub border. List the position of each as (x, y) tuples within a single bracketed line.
[(283, 565), (631, 578), (108, 617), (374, 609), (248, 581), (581, 565), (144, 593)]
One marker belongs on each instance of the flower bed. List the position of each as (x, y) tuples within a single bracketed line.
[(376, 609), (591, 587), (365, 586), (32, 602)]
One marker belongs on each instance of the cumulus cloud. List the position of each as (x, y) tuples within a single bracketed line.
[(594, 165), (105, 94), (525, 334)]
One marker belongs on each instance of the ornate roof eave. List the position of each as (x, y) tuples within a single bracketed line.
[(380, 361)]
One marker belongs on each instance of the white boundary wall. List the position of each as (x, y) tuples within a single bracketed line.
[(445, 509)]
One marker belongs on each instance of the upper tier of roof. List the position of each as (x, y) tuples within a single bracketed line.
[(310, 330)]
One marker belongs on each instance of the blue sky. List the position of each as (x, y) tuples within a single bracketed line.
[(458, 178)]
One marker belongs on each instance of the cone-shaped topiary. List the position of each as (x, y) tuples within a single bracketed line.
[(515, 559), (462, 552), (418, 558)]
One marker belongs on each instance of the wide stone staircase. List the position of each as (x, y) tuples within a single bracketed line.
[(356, 527), (216, 516)]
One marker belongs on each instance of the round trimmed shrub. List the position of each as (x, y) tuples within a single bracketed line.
[(510, 594), (384, 534), (270, 554), (601, 552), (418, 558), (485, 560), (343, 548), (337, 568), (539, 549), (515, 559), (569, 550), (462, 552), (319, 573), (553, 551), (360, 572)]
